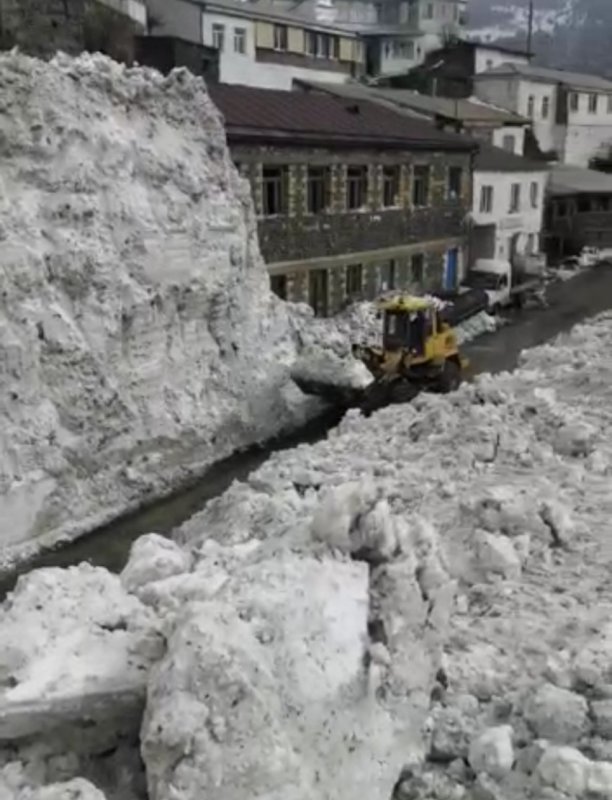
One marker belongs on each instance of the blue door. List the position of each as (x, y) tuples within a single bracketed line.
[(452, 266)]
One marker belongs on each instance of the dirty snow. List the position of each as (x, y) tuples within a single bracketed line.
[(138, 336), (418, 606)]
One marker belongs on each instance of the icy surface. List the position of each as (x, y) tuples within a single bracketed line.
[(483, 517), (138, 337), (426, 589)]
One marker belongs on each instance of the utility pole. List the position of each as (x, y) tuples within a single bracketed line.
[(530, 27)]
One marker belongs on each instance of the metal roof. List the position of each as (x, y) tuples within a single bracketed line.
[(566, 180), (460, 110), (271, 114), (575, 80)]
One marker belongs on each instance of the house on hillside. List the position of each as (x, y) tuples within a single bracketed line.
[(351, 198), (578, 210), (264, 43), (449, 70), (508, 205), (497, 126), (571, 113)]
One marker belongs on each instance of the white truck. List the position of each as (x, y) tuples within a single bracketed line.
[(507, 284)]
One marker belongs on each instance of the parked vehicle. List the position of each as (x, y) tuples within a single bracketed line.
[(506, 284)]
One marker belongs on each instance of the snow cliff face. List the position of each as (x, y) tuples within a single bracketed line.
[(139, 341)]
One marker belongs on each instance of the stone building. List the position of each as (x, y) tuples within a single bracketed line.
[(352, 199), (42, 27)]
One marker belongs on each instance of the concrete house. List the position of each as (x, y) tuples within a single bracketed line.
[(262, 43), (400, 33), (571, 113), (449, 71), (508, 205), (351, 198)]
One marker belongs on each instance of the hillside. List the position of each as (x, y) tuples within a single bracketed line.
[(570, 34)]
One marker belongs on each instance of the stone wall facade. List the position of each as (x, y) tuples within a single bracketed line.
[(42, 27), (386, 241)]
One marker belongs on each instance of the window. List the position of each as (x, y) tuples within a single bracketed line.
[(583, 205), (429, 11), (417, 268), (278, 284), (489, 63), (455, 179), (403, 49), (530, 106), (280, 37), (610, 104), (319, 189), (354, 280), (509, 143), (391, 186), (574, 101), (545, 107), (534, 193), (240, 40), (420, 186), (486, 199), (274, 191), (311, 43), (561, 208), (387, 276), (515, 198), (218, 36), (320, 45), (356, 187), (593, 101)]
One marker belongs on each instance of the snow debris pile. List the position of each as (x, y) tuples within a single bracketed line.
[(417, 607), (138, 336)]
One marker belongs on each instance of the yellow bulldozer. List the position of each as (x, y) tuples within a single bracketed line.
[(419, 352)]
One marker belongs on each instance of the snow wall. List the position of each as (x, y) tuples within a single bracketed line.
[(139, 340)]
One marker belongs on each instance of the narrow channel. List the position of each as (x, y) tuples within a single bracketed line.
[(570, 302)]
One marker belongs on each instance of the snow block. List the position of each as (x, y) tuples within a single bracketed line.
[(73, 645)]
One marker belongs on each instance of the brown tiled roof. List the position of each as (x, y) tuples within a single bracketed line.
[(270, 114)]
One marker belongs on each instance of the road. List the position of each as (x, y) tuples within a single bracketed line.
[(570, 302)]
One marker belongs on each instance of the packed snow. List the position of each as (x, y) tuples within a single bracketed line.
[(139, 339), (417, 607)]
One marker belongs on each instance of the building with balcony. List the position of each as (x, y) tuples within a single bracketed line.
[(262, 43), (351, 198), (578, 210)]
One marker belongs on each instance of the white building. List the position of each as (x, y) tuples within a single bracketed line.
[(571, 113), (508, 205), (400, 33), (261, 44)]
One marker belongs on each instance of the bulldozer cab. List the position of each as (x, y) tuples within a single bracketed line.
[(409, 322)]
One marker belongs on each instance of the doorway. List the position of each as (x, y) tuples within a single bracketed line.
[(318, 291), (451, 275)]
